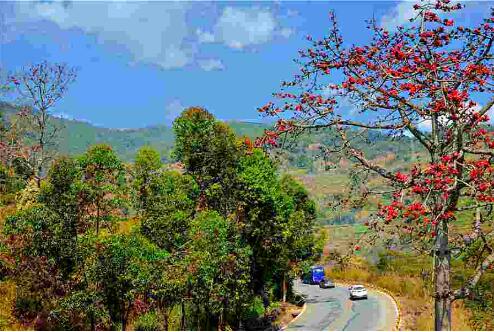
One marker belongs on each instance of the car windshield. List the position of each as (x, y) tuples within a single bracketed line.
[(358, 288)]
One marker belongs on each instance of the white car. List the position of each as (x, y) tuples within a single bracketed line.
[(357, 292)]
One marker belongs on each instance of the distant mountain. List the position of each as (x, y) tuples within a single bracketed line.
[(76, 136)]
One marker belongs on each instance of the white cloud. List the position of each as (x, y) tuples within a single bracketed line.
[(242, 27), (154, 33), (490, 112), (172, 110), (204, 36), (425, 125), (291, 13), (151, 32), (63, 115), (286, 32), (211, 64), (400, 14)]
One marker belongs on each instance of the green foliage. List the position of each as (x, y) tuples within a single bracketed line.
[(28, 196), (40, 253), (219, 265), (481, 304), (255, 309), (210, 153), (171, 203), (149, 321), (80, 310), (10, 181), (123, 268), (60, 193), (103, 184), (213, 243), (147, 163), (278, 221)]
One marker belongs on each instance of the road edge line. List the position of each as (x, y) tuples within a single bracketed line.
[(295, 318), (399, 321)]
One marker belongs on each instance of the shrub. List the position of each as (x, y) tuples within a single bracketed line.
[(149, 321), (256, 308)]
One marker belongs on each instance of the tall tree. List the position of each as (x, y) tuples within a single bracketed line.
[(146, 166), (430, 71), (209, 151), (123, 269), (170, 207), (262, 214), (218, 265), (103, 184), (40, 87), (60, 194), (298, 234)]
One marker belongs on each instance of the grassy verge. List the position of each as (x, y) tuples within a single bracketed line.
[(288, 312), (405, 275), (412, 295)]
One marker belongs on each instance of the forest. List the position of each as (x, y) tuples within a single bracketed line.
[(210, 242)]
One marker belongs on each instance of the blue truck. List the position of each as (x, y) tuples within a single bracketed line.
[(314, 276)]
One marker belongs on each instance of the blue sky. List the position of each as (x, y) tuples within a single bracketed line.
[(140, 63)]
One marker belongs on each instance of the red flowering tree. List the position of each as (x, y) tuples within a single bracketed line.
[(430, 71)]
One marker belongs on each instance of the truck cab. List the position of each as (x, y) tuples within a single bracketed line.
[(314, 276)]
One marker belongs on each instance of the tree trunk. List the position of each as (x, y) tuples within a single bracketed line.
[(165, 319), (182, 319), (284, 287), (93, 324), (38, 177), (442, 259), (97, 219)]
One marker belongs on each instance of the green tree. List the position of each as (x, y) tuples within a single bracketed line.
[(37, 253), (218, 266), (59, 193), (122, 271), (262, 211), (169, 209), (103, 184), (276, 218), (168, 286), (147, 164), (208, 148), (298, 233)]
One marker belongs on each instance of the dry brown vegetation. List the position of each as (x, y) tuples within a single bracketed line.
[(7, 288), (403, 275)]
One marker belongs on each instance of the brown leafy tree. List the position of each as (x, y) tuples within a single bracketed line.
[(39, 88)]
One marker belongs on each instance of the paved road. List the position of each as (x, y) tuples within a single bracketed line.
[(331, 309)]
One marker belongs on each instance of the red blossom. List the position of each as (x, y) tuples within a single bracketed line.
[(400, 177)]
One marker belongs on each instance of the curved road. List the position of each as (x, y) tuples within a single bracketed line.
[(331, 309)]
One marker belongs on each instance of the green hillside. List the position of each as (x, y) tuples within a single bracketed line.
[(76, 136), (326, 177)]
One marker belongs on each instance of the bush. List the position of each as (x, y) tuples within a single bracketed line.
[(256, 309), (150, 321), (28, 197), (26, 307)]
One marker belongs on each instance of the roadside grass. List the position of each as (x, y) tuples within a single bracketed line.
[(413, 296), (288, 311), (405, 275)]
